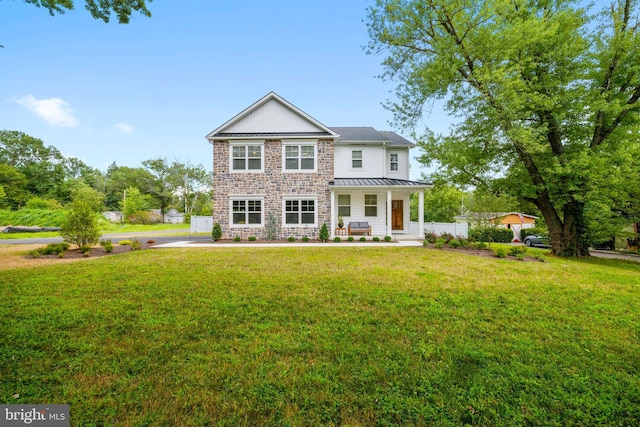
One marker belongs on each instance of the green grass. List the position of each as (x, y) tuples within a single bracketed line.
[(324, 336)]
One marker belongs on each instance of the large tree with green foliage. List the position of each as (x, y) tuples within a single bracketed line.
[(14, 185), (161, 187), (192, 183), (99, 9), (546, 96)]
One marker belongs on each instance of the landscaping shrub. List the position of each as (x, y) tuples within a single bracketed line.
[(518, 251), (252, 238), (500, 252), (491, 234), (376, 239), (237, 239), (430, 236), (216, 233), (464, 243), (363, 239), (337, 239), (124, 242), (85, 249), (455, 243), (351, 239), (136, 245), (479, 245), (107, 245), (440, 243), (305, 239), (291, 239), (52, 249), (387, 238), (447, 237)]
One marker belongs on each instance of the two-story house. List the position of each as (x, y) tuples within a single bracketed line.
[(276, 166)]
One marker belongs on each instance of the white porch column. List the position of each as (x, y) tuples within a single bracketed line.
[(333, 216), (389, 211), (421, 213)]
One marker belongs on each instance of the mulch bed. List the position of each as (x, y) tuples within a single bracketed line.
[(485, 253), (96, 251)]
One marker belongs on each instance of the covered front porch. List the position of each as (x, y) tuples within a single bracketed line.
[(382, 204)]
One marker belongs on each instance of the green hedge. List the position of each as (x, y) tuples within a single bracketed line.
[(491, 234)]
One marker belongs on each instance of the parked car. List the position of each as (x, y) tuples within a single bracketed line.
[(536, 240)]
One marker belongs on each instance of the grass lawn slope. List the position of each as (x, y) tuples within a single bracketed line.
[(324, 336)]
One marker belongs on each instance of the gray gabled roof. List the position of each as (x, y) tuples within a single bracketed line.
[(376, 182), (364, 134)]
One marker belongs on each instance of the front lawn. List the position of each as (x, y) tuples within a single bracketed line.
[(324, 336)]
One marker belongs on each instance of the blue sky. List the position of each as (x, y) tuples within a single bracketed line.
[(155, 87)]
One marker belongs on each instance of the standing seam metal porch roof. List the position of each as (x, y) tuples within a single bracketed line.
[(376, 182)]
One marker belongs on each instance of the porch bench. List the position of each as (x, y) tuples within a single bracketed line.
[(359, 227)]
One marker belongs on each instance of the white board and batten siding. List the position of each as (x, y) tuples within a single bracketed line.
[(272, 117)]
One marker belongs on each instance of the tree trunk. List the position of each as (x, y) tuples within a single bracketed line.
[(568, 236)]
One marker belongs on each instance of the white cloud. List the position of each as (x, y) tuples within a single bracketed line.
[(54, 111), (124, 127)]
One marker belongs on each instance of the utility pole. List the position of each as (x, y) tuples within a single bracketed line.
[(124, 206)]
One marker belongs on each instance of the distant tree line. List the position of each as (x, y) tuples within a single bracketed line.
[(35, 175)]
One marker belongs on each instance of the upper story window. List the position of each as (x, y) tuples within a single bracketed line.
[(356, 159), (393, 161), (299, 157), (247, 157)]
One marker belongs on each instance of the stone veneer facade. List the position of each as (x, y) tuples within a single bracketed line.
[(272, 184)]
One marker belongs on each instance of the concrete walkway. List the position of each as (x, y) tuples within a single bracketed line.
[(297, 244)]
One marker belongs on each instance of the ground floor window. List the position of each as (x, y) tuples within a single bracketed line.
[(370, 205), (300, 212), (344, 205), (246, 212)]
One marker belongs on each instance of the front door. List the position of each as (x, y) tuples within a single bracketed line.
[(397, 215)]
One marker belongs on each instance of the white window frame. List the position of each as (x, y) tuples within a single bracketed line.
[(370, 205), (395, 162), (343, 205), (246, 144), (299, 144), (355, 159), (299, 199), (247, 200)]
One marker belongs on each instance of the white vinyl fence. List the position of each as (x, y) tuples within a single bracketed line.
[(455, 228), (201, 224)]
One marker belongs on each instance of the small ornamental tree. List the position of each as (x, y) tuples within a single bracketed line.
[(80, 225), (323, 235), (216, 233)]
